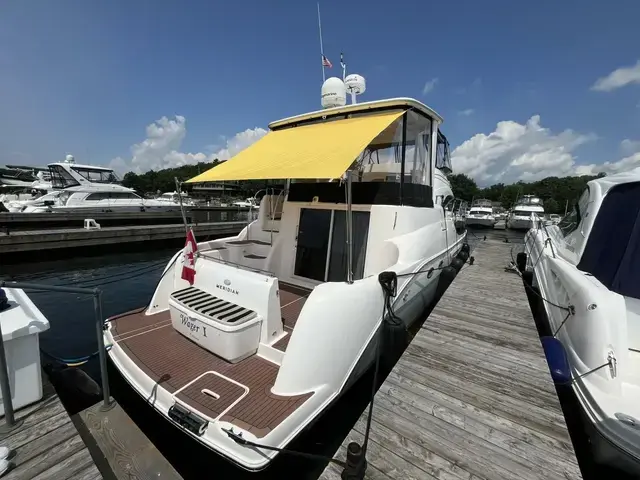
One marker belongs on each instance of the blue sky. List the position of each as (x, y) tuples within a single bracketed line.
[(88, 78)]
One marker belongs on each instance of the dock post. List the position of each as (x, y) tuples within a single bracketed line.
[(10, 422), (107, 403)]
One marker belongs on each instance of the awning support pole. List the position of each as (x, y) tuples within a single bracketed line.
[(349, 230)]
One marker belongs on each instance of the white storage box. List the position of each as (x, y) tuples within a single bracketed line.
[(21, 324)]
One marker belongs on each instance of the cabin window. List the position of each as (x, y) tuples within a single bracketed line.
[(96, 175), (321, 250), (443, 156), (572, 219), (97, 196), (417, 160), (60, 178)]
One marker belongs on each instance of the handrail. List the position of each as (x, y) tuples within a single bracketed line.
[(107, 402)]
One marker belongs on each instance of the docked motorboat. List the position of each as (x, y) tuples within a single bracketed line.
[(252, 337), (91, 189), (247, 203), (554, 218), (174, 198), (33, 203), (586, 268), (481, 214), (525, 211)]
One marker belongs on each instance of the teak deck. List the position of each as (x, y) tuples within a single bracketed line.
[(173, 361), (471, 397), (47, 445)]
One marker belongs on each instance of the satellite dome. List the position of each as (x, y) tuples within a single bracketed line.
[(333, 93), (69, 159), (355, 84)]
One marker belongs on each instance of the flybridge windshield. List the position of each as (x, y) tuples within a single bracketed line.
[(525, 213), (530, 201), (96, 175)]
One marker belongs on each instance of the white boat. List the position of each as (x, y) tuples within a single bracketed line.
[(283, 318), (33, 203), (90, 189), (522, 214), (22, 324), (173, 198), (588, 264), (481, 214), (247, 203)]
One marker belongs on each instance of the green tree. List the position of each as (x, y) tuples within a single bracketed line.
[(551, 206), (463, 187)]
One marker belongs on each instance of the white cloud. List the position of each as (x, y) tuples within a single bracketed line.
[(160, 148), (429, 86), (630, 146), (618, 78), (623, 165), (467, 112), (518, 152)]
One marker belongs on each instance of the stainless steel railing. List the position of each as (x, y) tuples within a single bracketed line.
[(107, 403)]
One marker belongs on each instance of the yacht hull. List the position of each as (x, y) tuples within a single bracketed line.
[(519, 224), (589, 340), (480, 222), (411, 305)]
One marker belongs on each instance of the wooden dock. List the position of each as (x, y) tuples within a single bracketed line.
[(126, 450), (471, 397), (28, 241), (47, 445)]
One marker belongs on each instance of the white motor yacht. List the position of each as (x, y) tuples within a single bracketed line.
[(90, 189), (524, 211), (586, 267), (481, 214), (173, 198), (252, 337), (247, 203)]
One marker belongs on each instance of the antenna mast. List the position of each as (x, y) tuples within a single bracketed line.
[(321, 47)]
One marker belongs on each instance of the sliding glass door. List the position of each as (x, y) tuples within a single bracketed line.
[(321, 252)]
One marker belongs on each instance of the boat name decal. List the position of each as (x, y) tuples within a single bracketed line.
[(191, 324)]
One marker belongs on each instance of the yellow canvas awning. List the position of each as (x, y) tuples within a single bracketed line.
[(322, 150)]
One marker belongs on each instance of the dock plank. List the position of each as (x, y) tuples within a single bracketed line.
[(471, 397), (130, 454), (47, 445)]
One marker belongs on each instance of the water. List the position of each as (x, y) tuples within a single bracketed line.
[(128, 281)]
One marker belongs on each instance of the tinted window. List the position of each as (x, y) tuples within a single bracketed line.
[(95, 175), (312, 243), (97, 196), (339, 255), (571, 221), (60, 178)]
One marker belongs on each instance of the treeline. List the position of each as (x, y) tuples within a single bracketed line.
[(554, 191), (163, 180)]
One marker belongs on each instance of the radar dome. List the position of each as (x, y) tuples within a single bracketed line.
[(355, 84), (69, 159), (333, 93)]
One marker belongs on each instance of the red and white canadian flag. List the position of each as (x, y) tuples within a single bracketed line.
[(189, 258)]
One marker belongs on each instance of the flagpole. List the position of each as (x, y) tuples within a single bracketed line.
[(321, 47), (184, 216)]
